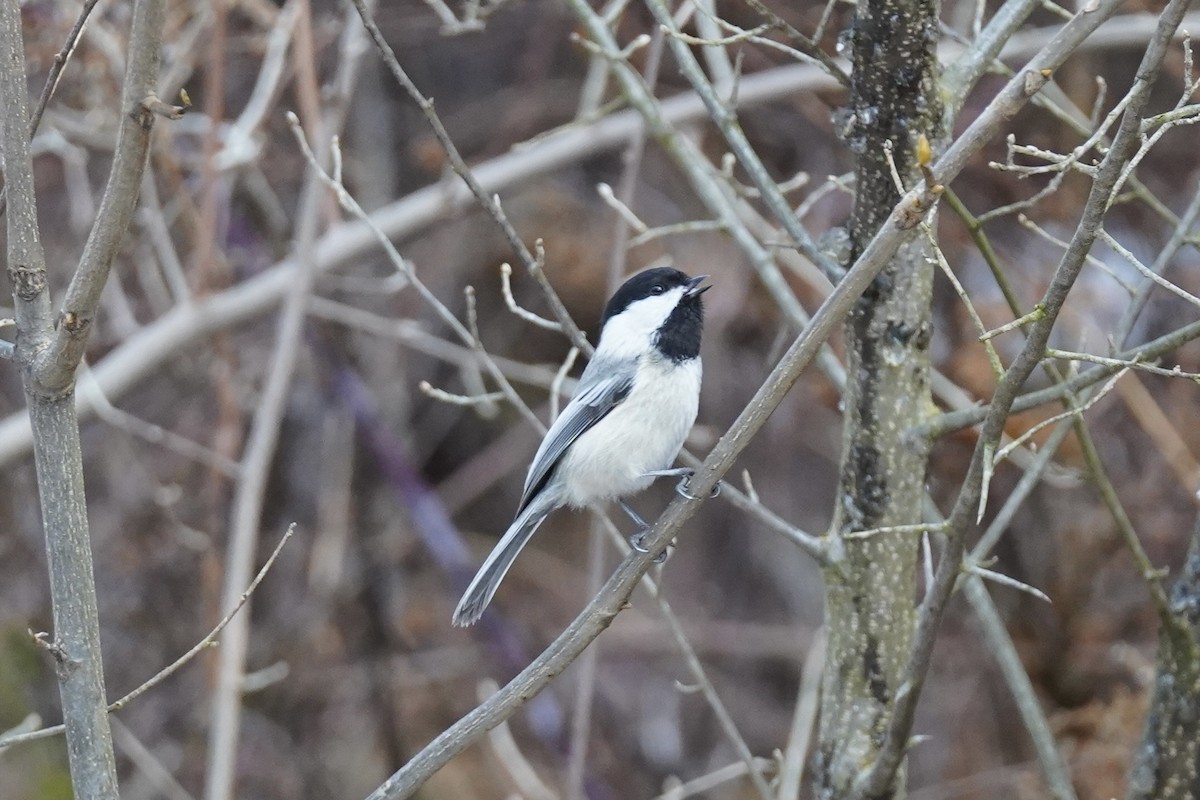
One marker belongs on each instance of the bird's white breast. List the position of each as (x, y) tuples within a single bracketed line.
[(643, 433)]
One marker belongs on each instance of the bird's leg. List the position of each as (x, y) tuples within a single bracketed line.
[(685, 474), (637, 540), (633, 515)]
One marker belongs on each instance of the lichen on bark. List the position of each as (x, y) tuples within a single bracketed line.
[(870, 590)]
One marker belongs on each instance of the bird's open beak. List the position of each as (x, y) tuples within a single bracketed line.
[(694, 289)]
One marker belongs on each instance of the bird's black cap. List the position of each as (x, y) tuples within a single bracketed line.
[(644, 284), (678, 337)]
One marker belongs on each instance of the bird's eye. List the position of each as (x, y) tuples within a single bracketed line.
[(657, 288)]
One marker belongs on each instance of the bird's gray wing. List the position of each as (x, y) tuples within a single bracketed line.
[(601, 389)]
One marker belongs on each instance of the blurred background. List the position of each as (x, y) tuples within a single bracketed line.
[(353, 665)]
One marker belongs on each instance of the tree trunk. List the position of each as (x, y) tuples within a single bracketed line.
[(870, 583), (1167, 767), (76, 643), (48, 349)]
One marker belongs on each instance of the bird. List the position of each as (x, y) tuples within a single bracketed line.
[(634, 405)]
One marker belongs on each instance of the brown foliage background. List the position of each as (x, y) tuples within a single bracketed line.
[(352, 646)]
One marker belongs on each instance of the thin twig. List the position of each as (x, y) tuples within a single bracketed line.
[(59, 65), (1155, 348), (1058, 777), (1074, 411), (1146, 272), (458, 399), (560, 377), (53, 77), (208, 641), (920, 527), (807, 701), (1174, 372), (509, 754), (148, 431), (414, 335), (724, 719), (1173, 625), (489, 203), (510, 301), (1179, 235), (1005, 580), (585, 674), (147, 763), (706, 783)]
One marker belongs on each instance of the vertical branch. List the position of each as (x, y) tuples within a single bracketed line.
[(26, 259), (261, 443), (76, 645), (869, 592), (248, 504), (875, 781), (55, 369), (48, 351)]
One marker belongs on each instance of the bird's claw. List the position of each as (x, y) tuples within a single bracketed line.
[(638, 542), (681, 488)]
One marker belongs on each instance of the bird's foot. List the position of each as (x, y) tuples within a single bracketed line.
[(685, 474), (638, 542)]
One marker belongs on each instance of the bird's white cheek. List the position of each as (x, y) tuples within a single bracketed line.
[(642, 434), (627, 335)]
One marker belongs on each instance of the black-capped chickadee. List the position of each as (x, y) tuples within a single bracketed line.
[(635, 403)]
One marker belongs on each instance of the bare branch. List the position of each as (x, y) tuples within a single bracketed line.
[(509, 754), (956, 420), (208, 641), (1058, 777), (458, 399), (721, 115), (710, 695), (510, 301), (1005, 580), (1178, 236), (246, 513), (54, 370), (808, 699), (490, 204)]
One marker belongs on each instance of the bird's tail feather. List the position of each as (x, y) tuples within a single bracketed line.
[(487, 579)]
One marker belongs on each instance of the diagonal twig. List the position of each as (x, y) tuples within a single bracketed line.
[(208, 641)]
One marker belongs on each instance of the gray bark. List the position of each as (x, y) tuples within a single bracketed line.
[(76, 643), (870, 583), (48, 348), (1167, 766)]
